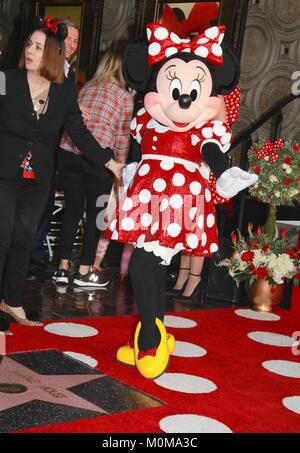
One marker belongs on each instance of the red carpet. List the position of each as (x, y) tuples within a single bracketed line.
[(247, 398)]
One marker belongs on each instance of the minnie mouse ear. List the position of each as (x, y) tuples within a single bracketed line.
[(136, 70), (62, 31)]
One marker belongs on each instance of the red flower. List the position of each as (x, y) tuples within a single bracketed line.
[(233, 237), (266, 248), (292, 253), (288, 160), (259, 231), (287, 181), (283, 233), (254, 245), (295, 148), (251, 267), (257, 170), (258, 200), (261, 272), (247, 256)]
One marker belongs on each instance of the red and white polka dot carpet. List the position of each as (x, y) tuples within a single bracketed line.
[(233, 370)]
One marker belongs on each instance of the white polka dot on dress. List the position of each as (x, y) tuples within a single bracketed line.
[(207, 195), (145, 196), (176, 201), (127, 224), (210, 220), (164, 205), (146, 219), (204, 239), (113, 225), (192, 213), (226, 138), (127, 205), (192, 241), (144, 170), (159, 185), (195, 187), (214, 247), (174, 230), (154, 227), (178, 179), (166, 165), (207, 132), (200, 221), (219, 129)]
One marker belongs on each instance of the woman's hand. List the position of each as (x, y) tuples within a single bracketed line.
[(116, 168)]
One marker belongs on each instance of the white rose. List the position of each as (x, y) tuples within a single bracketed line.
[(273, 178), (284, 166), (288, 170), (277, 194), (266, 158)]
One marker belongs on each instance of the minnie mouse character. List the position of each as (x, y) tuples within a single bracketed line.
[(169, 205)]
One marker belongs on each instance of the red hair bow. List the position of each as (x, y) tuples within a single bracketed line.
[(199, 18), (52, 26), (270, 150), (164, 43)]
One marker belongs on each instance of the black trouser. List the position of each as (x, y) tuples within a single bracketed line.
[(148, 279), (21, 205), (43, 229), (82, 186)]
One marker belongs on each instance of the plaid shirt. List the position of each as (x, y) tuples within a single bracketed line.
[(110, 108)]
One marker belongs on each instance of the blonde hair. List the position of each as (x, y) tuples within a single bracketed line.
[(110, 68)]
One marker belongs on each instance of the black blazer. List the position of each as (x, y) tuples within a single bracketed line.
[(20, 131)]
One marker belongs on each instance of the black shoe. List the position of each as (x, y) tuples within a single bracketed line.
[(196, 291), (91, 279), (61, 277), (176, 292)]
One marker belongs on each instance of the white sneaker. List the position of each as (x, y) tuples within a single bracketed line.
[(233, 181)]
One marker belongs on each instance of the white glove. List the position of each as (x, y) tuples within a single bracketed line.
[(128, 173), (233, 181)]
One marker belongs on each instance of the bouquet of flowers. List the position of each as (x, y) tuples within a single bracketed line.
[(262, 257), (278, 167)]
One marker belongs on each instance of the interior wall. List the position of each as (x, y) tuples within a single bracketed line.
[(271, 54)]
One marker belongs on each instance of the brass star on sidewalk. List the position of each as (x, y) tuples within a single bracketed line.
[(50, 388)]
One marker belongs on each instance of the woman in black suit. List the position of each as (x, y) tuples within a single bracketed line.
[(39, 100)]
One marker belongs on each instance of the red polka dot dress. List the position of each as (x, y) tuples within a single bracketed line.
[(169, 205)]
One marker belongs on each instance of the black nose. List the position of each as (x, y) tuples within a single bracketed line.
[(185, 101)]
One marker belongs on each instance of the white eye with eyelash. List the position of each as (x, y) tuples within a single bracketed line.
[(175, 89), (195, 90)]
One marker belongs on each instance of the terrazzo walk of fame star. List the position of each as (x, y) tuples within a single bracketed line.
[(47, 387)]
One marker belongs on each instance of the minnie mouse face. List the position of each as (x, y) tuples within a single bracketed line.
[(183, 97)]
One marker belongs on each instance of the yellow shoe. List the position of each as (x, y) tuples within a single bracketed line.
[(155, 363), (125, 353)]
